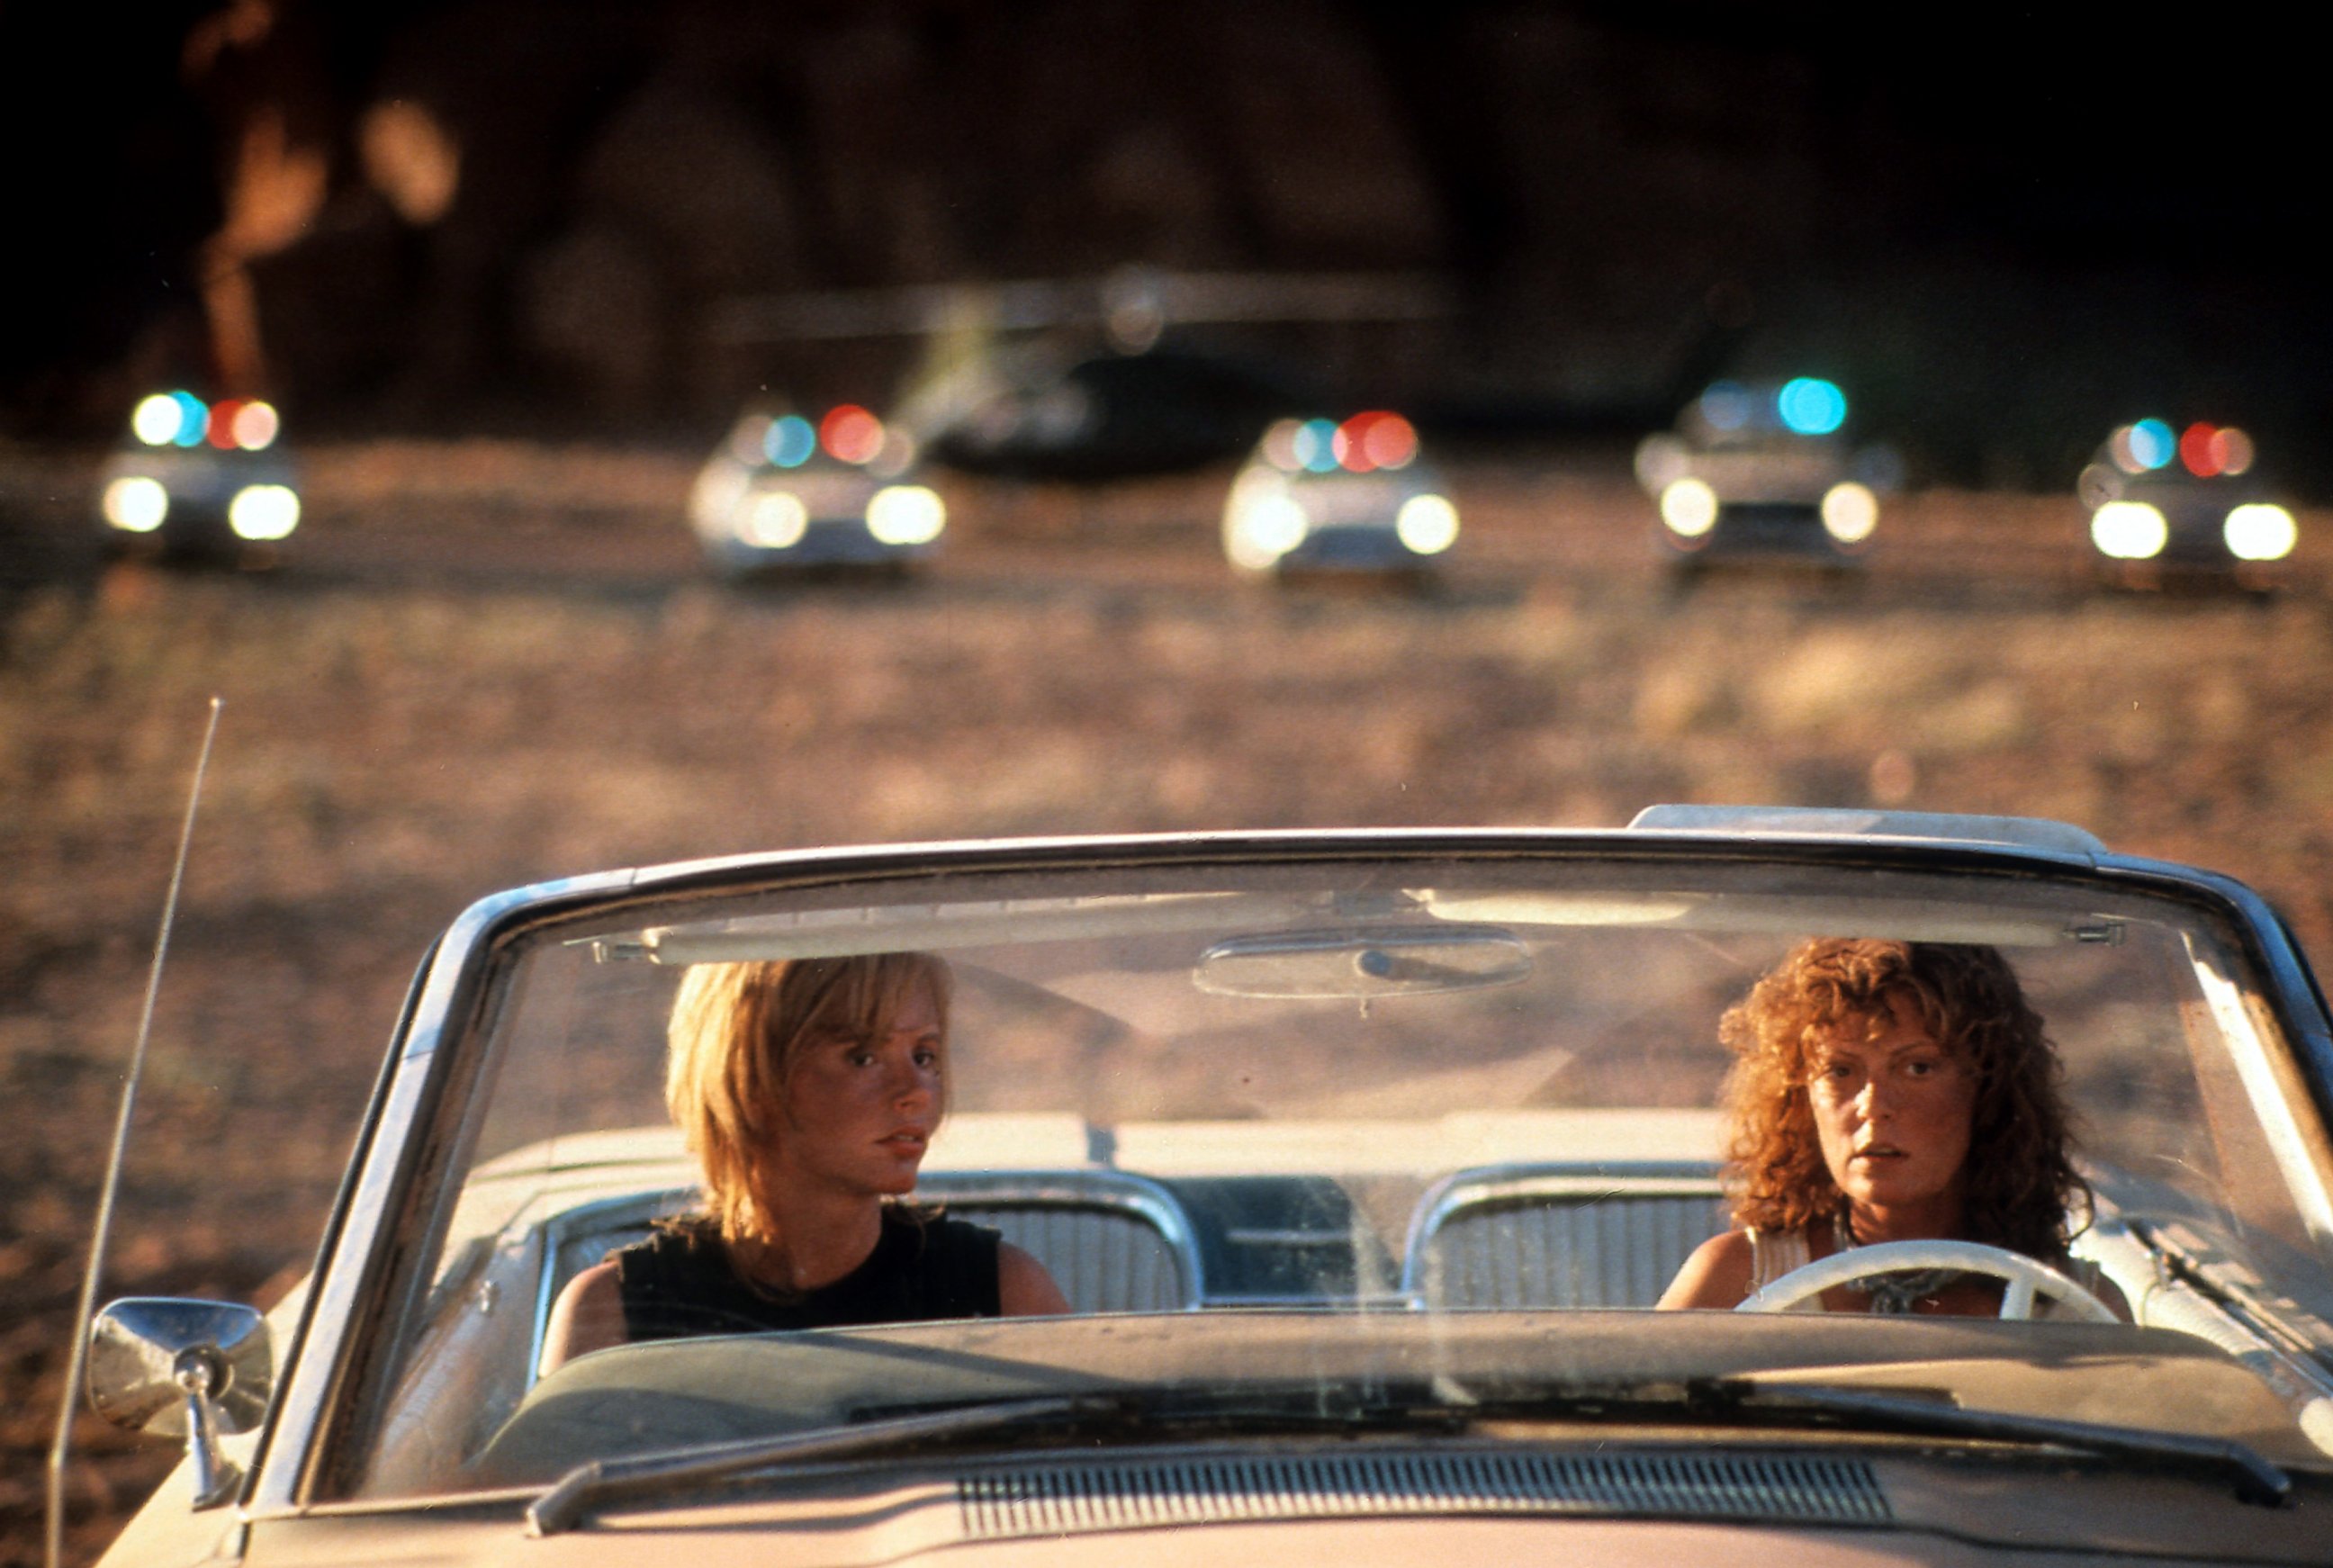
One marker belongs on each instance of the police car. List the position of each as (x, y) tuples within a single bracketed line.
[(1763, 471), (2192, 501), (1329, 496), (198, 479), (784, 491)]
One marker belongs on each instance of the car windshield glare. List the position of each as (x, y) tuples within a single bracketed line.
[(1289, 1113)]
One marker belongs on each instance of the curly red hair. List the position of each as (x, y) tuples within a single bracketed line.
[(2021, 1182)]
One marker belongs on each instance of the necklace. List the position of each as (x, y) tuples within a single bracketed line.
[(1892, 1294)]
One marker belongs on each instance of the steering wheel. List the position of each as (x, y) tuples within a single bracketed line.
[(2024, 1277)]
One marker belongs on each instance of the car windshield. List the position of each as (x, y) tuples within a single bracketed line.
[(1277, 1121)]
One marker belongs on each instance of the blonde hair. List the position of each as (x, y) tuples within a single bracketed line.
[(735, 1033)]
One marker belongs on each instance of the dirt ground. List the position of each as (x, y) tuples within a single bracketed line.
[(483, 666)]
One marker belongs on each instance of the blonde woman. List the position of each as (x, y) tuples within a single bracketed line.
[(809, 1090)]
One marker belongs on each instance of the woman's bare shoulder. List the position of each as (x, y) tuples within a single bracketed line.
[(1023, 1287), (1716, 1276), (589, 1315)]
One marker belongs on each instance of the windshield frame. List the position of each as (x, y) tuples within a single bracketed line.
[(373, 1269)]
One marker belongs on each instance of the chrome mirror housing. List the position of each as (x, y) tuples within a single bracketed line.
[(198, 1369)]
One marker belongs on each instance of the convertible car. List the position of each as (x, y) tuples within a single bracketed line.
[(1361, 1159)]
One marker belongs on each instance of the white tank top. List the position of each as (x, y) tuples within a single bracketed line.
[(1774, 1253)]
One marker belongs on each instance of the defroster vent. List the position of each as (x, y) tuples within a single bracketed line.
[(1061, 1499)]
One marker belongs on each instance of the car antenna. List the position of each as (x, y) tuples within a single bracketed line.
[(61, 1449)]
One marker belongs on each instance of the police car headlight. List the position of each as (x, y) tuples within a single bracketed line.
[(773, 520), (1428, 524), (155, 420), (905, 515), (1267, 528), (1849, 513), (135, 504), (2259, 531), (714, 500), (2129, 531), (260, 513), (1689, 508)]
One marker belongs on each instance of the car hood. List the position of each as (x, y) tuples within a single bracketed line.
[(641, 1398), (1261, 1507)]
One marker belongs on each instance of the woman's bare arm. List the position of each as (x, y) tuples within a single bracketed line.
[(589, 1315), (1024, 1288), (1718, 1274)]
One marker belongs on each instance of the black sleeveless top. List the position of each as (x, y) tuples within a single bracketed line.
[(680, 1282)]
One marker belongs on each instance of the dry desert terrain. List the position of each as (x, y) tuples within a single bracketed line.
[(484, 664)]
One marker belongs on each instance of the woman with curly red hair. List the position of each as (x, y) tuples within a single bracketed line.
[(1882, 1092)]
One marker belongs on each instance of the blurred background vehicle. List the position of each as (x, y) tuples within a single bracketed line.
[(2190, 504), (1134, 373), (1325, 495), (1758, 471), (200, 481), (1105, 415), (783, 493)]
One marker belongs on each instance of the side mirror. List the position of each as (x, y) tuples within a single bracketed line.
[(198, 1369)]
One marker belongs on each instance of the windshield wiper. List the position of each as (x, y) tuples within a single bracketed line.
[(2258, 1479), (582, 1490), (575, 1495)]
